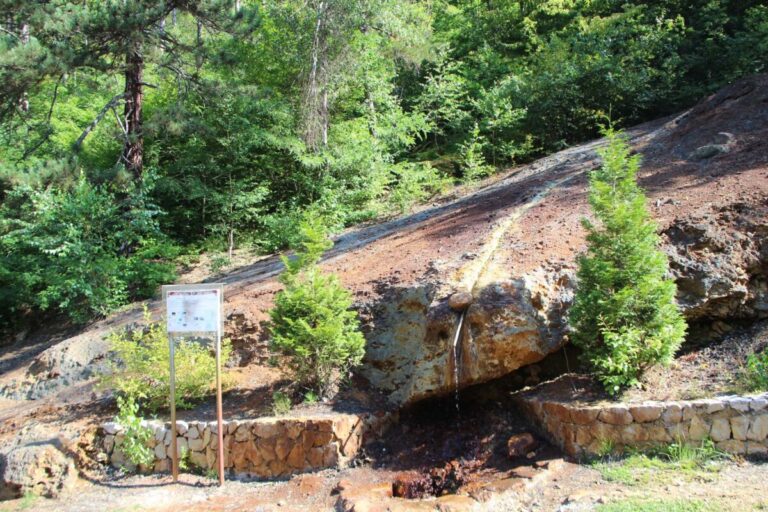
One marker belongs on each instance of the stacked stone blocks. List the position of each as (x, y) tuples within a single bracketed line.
[(735, 424), (258, 448)]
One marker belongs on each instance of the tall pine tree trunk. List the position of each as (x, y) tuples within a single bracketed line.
[(133, 149)]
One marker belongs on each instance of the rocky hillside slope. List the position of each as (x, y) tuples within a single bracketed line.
[(474, 287)]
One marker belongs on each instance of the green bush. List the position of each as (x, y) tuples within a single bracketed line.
[(624, 315), (136, 441), (756, 372), (311, 322), (78, 251), (473, 161), (140, 367), (281, 403)]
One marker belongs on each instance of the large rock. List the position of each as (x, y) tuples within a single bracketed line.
[(40, 469)]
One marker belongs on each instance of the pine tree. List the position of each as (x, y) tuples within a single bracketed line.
[(111, 37), (312, 322), (624, 315)]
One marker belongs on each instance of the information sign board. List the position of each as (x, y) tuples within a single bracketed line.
[(193, 310)]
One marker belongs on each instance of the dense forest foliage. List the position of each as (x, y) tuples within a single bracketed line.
[(135, 132)]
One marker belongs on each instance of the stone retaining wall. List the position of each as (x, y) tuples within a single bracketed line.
[(263, 447), (736, 424)]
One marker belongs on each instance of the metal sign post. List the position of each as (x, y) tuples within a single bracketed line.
[(195, 310)]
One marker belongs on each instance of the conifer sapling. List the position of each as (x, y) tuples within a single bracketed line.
[(624, 315)]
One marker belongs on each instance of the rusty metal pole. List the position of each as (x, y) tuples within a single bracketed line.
[(174, 443), (219, 409)]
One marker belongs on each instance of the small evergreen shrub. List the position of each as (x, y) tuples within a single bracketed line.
[(473, 161), (136, 441), (756, 372), (281, 403), (624, 315), (140, 367), (312, 323)]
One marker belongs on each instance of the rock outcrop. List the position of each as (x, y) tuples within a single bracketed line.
[(720, 262), (37, 468)]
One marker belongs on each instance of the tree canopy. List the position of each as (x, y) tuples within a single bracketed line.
[(212, 124)]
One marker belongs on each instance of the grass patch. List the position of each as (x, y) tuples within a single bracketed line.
[(676, 505), (673, 462)]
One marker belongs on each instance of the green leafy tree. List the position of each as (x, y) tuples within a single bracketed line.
[(65, 250), (115, 38), (624, 315), (473, 161), (312, 323)]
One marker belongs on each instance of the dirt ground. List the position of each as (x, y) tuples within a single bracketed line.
[(736, 486)]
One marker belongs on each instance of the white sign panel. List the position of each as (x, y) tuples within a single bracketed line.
[(193, 310)]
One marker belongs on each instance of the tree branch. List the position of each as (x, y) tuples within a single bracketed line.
[(111, 104)]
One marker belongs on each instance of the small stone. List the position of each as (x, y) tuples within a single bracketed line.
[(265, 429), (732, 446), (112, 428), (181, 446), (758, 403), (557, 411), (162, 466), (196, 445), (699, 429), (283, 448), (460, 300), (198, 459), (739, 404), (109, 443), (739, 427), (672, 414), (206, 436), (160, 451), (181, 427), (520, 445), (758, 428), (193, 433), (721, 430), (714, 406), (293, 429), (315, 457), (296, 457), (634, 434), (231, 426), (243, 433), (646, 412), (616, 415), (584, 416)]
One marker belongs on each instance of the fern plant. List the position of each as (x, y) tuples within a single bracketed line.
[(624, 315)]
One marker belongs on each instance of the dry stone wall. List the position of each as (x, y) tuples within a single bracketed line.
[(736, 424), (261, 448)]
